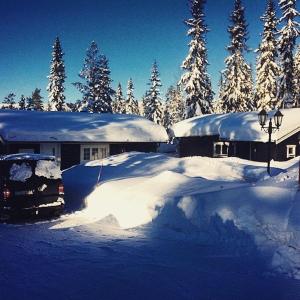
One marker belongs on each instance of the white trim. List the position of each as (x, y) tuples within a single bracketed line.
[(291, 154), (286, 136), (100, 151), (221, 144), (53, 149)]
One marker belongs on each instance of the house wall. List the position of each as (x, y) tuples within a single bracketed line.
[(281, 148), (21, 147), (128, 147), (197, 146), (256, 151), (70, 154)]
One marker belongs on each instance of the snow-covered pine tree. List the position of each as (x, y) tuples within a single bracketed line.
[(297, 77), (195, 81), (57, 79), (104, 92), (217, 103), (119, 101), (142, 105), (152, 102), (9, 101), (37, 102), (236, 92), (22, 103), (286, 45), (131, 105), (174, 108), (90, 74), (267, 69), (29, 103)]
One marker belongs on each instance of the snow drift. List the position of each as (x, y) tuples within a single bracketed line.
[(229, 201)]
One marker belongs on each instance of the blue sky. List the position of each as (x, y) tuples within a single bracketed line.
[(132, 33)]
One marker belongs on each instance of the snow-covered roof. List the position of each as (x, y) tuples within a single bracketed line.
[(237, 126), (32, 126)]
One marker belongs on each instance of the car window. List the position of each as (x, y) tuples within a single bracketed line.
[(48, 169), (20, 171)]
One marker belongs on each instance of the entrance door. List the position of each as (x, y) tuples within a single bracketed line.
[(70, 155)]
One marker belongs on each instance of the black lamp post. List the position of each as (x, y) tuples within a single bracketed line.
[(262, 118)]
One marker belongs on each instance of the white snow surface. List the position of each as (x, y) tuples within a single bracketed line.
[(236, 126), (33, 126), (20, 172), (138, 189), (160, 227)]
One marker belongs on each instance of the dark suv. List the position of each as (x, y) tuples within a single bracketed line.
[(30, 185)]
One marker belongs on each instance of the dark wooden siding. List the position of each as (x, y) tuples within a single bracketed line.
[(281, 148), (115, 148), (15, 147), (197, 146), (256, 151), (70, 155)]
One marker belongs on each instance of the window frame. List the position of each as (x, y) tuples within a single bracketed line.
[(293, 148), (97, 151), (222, 146)]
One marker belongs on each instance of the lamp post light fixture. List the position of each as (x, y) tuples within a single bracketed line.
[(270, 128)]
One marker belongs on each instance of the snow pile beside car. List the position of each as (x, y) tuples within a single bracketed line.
[(229, 201)]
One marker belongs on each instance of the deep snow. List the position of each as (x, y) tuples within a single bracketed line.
[(159, 227)]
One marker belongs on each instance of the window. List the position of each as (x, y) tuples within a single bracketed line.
[(103, 152), (86, 154), (221, 149), (291, 151), (95, 153)]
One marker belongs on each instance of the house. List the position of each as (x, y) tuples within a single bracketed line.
[(77, 137), (239, 135)]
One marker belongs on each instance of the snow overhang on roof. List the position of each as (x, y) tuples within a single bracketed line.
[(237, 126), (33, 126)]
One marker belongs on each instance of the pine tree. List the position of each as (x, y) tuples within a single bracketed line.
[(174, 108), (37, 102), (22, 103), (236, 92), (131, 106), (267, 69), (97, 92), (119, 102), (57, 79), (196, 81), (29, 103), (9, 101), (287, 42), (104, 92), (297, 77), (152, 102)]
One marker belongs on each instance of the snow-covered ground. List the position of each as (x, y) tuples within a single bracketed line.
[(159, 227)]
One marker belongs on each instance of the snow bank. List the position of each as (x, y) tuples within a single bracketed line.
[(229, 201), (84, 127), (236, 126)]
